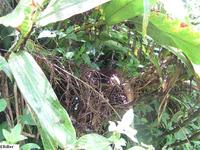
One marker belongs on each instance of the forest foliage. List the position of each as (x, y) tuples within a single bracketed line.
[(98, 74)]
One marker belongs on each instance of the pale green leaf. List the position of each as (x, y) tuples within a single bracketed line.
[(58, 10), (47, 141), (5, 67), (40, 96), (3, 104), (29, 146), (180, 135), (14, 135), (176, 117), (93, 142), (27, 119), (146, 16), (17, 16), (23, 16)]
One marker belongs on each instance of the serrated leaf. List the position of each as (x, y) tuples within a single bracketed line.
[(5, 67), (58, 10), (3, 104), (40, 96), (117, 11), (93, 141)]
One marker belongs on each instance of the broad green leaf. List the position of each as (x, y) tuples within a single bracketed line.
[(169, 32), (5, 67), (29, 146), (117, 11), (20, 17), (17, 16), (23, 16), (40, 96), (58, 10), (14, 135), (47, 141), (3, 104), (93, 141)]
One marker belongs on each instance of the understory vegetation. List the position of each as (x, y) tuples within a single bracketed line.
[(98, 75)]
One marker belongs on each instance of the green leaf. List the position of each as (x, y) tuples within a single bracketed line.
[(3, 125), (180, 55), (86, 59), (58, 10), (40, 96), (5, 67), (93, 141), (68, 55), (3, 104), (113, 45), (169, 32), (29, 146), (176, 117), (117, 11), (17, 16), (27, 119), (180, 135), (113, 35), (14, 135), (47, 141), (145, 16), (20, 17)]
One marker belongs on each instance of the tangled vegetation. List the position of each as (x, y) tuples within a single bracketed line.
[(98, 74)]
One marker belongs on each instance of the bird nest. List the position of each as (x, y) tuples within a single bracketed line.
[(92, 97)]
